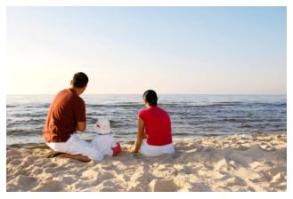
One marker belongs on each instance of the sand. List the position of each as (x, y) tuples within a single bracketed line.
[(217, 163)]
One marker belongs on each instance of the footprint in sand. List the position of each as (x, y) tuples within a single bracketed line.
[(67, 180), (26, 182), (105, 175), (161, 185), (51, 168), (199, 187), (13, 153), (235, 181), (15, 162), (108, 186), (51, 186), (10, 187), (37, 171), (27, 162)]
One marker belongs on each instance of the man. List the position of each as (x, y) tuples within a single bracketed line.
[(66, 116)]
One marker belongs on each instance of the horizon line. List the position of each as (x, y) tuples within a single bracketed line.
[(159, 94)]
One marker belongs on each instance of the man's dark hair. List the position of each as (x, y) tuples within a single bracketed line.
[(151, 97), (80, 80)]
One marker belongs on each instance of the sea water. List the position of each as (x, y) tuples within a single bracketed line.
[(191, 115)]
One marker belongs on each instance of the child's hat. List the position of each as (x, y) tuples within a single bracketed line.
[(103, 126)]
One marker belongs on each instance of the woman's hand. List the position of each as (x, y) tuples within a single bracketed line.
[(134, 150), (139, 137)]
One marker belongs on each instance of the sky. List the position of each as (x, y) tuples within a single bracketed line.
[(126, 50)]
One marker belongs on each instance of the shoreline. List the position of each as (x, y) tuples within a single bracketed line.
[(175, 139), (239, 162)]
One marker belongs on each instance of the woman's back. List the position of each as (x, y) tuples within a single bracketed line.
[(157, 125)]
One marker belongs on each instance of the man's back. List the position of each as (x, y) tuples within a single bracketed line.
[(65, 111)]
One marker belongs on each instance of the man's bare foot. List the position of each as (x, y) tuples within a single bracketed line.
[(76, 157), (66, 155)]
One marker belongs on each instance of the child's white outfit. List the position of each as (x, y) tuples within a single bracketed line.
[(104, 142)]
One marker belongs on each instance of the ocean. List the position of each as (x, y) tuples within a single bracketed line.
[(191, 115)]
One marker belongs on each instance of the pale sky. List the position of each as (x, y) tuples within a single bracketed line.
[(200, 50)]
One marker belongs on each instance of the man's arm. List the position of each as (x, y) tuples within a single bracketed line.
[(139, 137), (80, 115), (81, 126)]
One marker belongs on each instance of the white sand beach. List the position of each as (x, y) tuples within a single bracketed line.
[(216, 163)]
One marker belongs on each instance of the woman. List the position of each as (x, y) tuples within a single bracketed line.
[(154, 136)]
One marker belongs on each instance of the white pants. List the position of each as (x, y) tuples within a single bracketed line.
[(151, 150), (75, 145)]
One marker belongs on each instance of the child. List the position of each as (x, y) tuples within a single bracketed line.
[(104, 141)]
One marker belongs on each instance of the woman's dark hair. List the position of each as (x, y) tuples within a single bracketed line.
[(151, 97), (80, 80)]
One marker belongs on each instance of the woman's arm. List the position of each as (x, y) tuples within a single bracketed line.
[(139, 137)]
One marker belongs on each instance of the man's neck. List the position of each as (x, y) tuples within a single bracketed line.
[(75, 90)]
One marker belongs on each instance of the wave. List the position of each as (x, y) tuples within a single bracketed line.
[(24, 131), (137, 106), (29, 106)]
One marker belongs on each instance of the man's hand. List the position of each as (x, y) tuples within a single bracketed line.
[(81, 126)]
